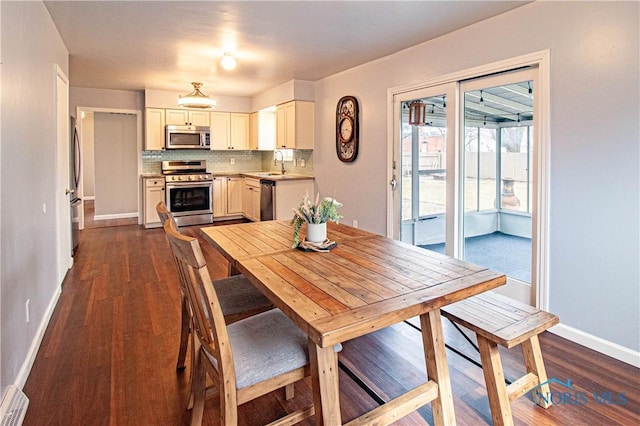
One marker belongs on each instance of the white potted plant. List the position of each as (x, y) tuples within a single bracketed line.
[(315, 215)]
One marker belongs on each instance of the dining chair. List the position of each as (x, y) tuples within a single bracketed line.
[(246, 359), (238, 297)]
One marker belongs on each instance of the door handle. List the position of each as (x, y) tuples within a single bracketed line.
[(393, 183)]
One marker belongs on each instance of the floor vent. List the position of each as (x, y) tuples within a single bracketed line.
[(14, 407)]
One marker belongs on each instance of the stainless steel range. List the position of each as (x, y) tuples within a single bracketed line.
[(189, 190)]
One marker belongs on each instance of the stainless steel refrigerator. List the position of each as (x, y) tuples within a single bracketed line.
[(74, 174)]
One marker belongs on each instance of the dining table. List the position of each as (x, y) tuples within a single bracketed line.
[(366, 282)]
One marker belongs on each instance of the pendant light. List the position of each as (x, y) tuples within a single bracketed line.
[(417, 113), (196, 99)]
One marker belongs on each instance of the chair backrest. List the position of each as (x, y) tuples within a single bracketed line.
[(208, 319), (163, 212)]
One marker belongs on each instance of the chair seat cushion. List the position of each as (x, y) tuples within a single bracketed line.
[(266, 345), (236, 295)]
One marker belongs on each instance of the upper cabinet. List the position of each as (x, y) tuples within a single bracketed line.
[(262, 130), (187, 117), (294, 125), (229, 130), (154, 129)]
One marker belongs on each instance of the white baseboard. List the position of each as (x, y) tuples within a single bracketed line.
[(115, 216), (606, 347), (21, 379)]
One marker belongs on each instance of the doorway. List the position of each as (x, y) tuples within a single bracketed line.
[(111, 146), (469, 179)]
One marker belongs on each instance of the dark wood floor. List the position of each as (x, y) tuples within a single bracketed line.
[(108, 355)]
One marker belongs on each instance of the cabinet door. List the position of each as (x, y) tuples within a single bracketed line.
[(199, 118), (219, 196), (234, 196), (247, 201), (239, 131), (153, 194), (256, 203), (281, 126), (220, 130), (290, 125), (253, 131), (154, 129), (177, 117)]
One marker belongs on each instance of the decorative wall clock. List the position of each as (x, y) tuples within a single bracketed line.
[(347, 127)]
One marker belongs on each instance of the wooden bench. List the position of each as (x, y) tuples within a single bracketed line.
[(499, 320)]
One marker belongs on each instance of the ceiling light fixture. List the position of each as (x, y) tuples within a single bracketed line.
[(228, 61), (196, 99), (417, 113)]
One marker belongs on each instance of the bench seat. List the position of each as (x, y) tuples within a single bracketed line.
[(499, 320)]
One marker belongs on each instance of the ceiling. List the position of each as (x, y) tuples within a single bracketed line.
[(165, 45)]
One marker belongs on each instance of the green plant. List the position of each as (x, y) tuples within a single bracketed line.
[(314, 212)]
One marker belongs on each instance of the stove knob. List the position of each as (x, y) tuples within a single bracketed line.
[(190, 177), (179, 177)]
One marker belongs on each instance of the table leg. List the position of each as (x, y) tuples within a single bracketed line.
[(437, 368), (232, 268), (324, 378)]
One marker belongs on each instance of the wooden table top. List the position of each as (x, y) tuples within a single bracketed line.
[(240, 241), (364, 284)]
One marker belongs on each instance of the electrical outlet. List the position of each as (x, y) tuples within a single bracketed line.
[(232, 161), (27, 310), (44, 208), (355, 223)]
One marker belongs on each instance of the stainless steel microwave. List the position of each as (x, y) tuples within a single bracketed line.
[(187, 137)]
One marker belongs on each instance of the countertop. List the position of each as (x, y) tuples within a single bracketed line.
[(274, 176)]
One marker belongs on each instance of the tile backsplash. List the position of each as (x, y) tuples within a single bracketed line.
[(221, 161)]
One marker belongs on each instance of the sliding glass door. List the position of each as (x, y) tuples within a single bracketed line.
[(497, 185), (427, 130), (464, 173)]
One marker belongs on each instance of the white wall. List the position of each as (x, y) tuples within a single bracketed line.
[(116, 172), (30, 48), (104, 98), (595, 210)]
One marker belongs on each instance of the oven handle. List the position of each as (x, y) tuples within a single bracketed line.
[(189, 184)]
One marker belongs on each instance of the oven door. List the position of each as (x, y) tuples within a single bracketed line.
[(189, 198)]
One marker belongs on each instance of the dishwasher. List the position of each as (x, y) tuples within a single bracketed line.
[(267, 199)]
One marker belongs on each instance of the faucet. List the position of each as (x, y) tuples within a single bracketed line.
[(275, 162)]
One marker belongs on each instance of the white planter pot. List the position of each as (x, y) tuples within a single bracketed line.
[(316, 232)]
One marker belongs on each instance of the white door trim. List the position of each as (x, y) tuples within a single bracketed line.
[(541, 59), (63, 207), (138, 114)]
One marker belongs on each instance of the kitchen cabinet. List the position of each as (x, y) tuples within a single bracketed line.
[(294, 125), (229, 130), (239, 131), (227, 197), (187, 117), (262, 130), (154, 123), (251, 199), (234, 195), (153, 193)]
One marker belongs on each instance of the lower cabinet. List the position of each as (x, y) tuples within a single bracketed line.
[(153, 193), (227, 197), (251, 199)]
